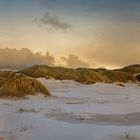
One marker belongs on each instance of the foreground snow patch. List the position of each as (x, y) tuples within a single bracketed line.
[(78, 112)]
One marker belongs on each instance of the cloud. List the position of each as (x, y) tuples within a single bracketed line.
[(52, 21), (73, 61), (18, 59), (13, 58)]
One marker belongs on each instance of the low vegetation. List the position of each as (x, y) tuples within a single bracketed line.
[(127, 136), (20, 86), (138, 77), (132, 69), (22, 110), (81, 75)]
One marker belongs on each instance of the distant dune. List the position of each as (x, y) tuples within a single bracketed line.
[(24, 82), (81, 75), (132, 69)]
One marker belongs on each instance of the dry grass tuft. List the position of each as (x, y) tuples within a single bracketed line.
[(127, 136), (22, 86), (22, 110)]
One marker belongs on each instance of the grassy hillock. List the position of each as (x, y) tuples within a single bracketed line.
[(81, 75), (7, 74), (119, 76), (20, 86), (38, 71), (89, 76), (138, 77), (132, 69)]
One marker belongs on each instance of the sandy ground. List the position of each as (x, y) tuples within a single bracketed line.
[(78, 112)]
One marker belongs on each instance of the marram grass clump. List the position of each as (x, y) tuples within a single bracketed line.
[(22, 86)]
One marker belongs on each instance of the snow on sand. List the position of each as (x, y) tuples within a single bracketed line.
[(78, 112)]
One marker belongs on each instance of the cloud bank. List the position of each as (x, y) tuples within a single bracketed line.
[(13, 58), (73, 61), (18, 59), (52, 21)]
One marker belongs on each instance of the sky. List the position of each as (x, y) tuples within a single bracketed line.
[(70, 33)]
